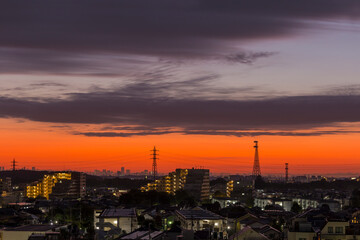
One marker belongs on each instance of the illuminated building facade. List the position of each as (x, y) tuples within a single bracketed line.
[(195, 181), (58, 185), (229, 188), (170, 183)]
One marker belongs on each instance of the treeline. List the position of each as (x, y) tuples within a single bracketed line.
[(120, 183), (151, 198), (23, 176), (341, 185)]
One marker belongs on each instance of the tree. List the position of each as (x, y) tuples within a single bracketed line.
[(355, 199), (183, 199), (296, 208), (259, 183), (249, 201), (213, 207)]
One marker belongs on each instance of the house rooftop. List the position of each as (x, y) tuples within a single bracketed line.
[(118, 212), (34, 228), (143, 235), (198, 213)]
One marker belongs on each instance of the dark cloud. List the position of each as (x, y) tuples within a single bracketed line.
[(353, 89), (83, 37), (160, 114), (158, 27), (214, 133), (40, 61), (121, 134), (48, 84)]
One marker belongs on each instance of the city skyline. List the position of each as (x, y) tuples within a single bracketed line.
[(97, 86)]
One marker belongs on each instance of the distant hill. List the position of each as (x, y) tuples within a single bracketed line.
[(23, 176)]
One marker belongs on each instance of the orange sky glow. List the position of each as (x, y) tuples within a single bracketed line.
[(46, 147)]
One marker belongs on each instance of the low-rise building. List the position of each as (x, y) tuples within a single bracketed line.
[(198, 219), (224, 201), (24, 232), (319, 224), (121, 219), (248, 233), (286, 204)]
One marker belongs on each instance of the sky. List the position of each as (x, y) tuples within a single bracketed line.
[(96, 84)]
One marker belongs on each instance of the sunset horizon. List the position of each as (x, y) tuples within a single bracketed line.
[(97, 86)]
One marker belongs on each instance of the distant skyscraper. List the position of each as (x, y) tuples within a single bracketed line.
[(122, 171), (127, 171)]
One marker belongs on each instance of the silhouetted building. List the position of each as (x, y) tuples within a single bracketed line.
[(198, 183)]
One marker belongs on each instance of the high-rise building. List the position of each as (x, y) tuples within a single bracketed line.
[(198, 183), (222, 189), (122, 171), (195, 181), (64, 185)]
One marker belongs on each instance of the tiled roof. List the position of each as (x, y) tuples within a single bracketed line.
[(118, 212), (198, 213)]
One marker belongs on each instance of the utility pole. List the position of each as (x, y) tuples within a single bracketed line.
[(154, 165)]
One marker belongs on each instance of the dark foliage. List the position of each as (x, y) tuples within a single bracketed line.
[(121, 183)]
